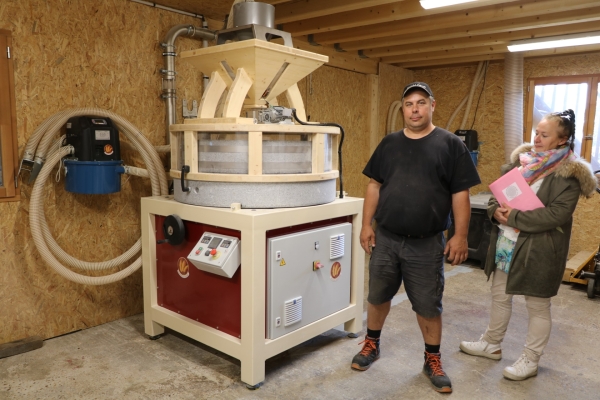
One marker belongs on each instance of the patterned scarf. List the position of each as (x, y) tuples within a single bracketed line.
[(537, 165)]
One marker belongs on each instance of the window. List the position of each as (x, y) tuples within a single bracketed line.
[(579, 93), (8, 122)]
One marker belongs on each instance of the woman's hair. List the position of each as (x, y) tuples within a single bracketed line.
[(566, 125)]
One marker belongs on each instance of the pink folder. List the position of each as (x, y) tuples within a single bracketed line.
[(512, 189)]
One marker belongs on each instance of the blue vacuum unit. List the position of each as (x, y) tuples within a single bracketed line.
[(96, 165)]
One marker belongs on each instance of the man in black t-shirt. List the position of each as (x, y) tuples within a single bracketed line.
[(418, 175)]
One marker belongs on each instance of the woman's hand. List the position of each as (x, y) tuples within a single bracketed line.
[(501, 214)]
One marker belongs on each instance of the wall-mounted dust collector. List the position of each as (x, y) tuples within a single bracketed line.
[(95, 166), (254, 253)]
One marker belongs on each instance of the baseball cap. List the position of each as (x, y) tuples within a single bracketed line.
[(417, 85)]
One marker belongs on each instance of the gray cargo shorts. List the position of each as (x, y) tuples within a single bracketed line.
[(419, 262)]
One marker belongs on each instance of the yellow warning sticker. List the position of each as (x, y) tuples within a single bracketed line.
[(282, 263)]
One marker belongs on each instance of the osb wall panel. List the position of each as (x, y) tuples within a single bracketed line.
[(392, 81), (450, 85), (336, 95), (91, 53)]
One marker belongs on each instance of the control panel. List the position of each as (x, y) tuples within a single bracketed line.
[(218, 254)]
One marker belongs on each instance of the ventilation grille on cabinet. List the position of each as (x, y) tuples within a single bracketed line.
[(336, 246), (293, 311)]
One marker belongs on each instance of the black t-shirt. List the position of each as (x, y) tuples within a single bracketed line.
[(418, 178)]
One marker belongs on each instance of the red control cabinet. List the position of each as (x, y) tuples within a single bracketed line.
[(210, 299)]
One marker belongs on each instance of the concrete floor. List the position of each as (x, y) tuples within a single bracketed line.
[(117, 361)]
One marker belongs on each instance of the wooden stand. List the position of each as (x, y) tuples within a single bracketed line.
[(252, 349)]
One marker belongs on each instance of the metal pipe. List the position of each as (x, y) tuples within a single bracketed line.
[(206, 78), (169, 91), (151, 4), (513, 103)]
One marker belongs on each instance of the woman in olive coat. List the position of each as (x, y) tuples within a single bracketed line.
[(528, 249)]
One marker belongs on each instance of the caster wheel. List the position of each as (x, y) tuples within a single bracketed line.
[(591, 288), (254, 387), (154, 337), (352, 335)]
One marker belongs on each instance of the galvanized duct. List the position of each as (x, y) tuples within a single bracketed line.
[(513, 103), (169, 91)]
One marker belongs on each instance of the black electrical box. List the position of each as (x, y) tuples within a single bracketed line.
[(94, 138), (480, 229), (468, 136)]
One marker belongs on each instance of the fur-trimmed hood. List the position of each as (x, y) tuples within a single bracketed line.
[(578, 169)]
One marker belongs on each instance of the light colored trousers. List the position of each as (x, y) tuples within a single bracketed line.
[(540, 322)]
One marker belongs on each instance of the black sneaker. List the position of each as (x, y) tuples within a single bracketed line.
[(433, 369), (369, 353)]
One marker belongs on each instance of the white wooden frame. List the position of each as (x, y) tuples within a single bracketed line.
[(252, 349)]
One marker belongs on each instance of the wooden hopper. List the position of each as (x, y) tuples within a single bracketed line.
[(270, 68)]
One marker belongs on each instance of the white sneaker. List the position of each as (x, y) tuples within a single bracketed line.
[(522, 369), (482, 348)]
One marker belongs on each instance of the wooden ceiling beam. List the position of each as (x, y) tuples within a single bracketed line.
[(344, 60), (450, 61), (376, 15), (295, 11), (493, 14), (464, 32), (455, 53), (483, 40), (594, 48)]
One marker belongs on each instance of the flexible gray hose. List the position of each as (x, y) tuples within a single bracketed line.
[(391, 111), (37, 135), (35, 216), (397, 109), (163, 149), (150, 156), (45, 243), (478, 78), (471, 94), (129, 170)]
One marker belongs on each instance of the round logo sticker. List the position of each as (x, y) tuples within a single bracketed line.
[(108, 149), (336, 270), (183, 268)]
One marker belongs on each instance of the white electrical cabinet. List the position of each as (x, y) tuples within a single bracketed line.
[(308, 277)]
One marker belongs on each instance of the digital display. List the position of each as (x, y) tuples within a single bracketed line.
[(206, 239), (226, 244), (214, 243), (102, 135)]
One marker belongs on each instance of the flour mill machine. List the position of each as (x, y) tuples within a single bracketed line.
[(254, 253)]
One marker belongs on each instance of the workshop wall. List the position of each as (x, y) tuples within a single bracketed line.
[(450, 85), (392, 81), (80, 54), (107, 54)]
